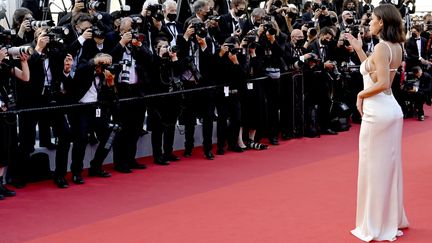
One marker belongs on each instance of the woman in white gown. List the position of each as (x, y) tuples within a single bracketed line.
[(380, 211)]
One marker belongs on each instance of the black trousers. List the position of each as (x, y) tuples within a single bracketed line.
[(228, 121), (8, 139), (27, 133), (130, 116), (82, 122), (198, 106), (271, 93), (287, 105)]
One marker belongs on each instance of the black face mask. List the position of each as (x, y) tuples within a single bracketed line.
[(300, 43), (349, 21), (350, 8), (414, 35), (240, 12), (205, 15), (171, 17), (257, 24), (325, 42)]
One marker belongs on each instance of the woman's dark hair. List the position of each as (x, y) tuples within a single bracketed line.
[(392, 30), (19, 16)]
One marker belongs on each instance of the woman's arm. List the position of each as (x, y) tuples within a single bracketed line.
[(24, 72), (380, 58)]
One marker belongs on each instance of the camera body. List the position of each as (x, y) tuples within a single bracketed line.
[(200, 29), (268, 25), (155, 11)]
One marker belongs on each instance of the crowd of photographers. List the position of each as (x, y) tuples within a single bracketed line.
[(253, 55)]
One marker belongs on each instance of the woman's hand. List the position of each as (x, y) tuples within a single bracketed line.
[(357, 44), (359, 104)]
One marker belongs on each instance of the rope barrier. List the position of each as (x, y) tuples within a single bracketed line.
[(76, 105)]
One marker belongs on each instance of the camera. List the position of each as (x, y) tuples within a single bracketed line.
[(155, 11), (268, 25), (96, 5), (6, 36), (232, 49), (16, 51), (97, 32), (37, 23), (200, 29)]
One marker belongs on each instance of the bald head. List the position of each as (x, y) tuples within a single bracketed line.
[(296, 34)]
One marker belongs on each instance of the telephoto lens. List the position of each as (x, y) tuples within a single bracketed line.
[(16, 51)]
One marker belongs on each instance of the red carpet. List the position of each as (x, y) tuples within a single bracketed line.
[(301, 191)]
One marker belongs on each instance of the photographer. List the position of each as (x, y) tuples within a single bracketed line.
[(132, 81), (92, 83), (196, 53), (46, 66), (164, 111), (228, 100), (22, 19), (95, 8), (319, 89), (415, 48), (174, 27), (231, 24), (271, 45), (422, 92), (80, 38), (8, 131)]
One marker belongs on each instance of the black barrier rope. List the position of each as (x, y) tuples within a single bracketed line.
[(69, 106)]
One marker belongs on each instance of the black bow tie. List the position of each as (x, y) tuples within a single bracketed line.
[(170, 24), (417, 38)]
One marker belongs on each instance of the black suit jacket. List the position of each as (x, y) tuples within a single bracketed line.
[(412, 51)]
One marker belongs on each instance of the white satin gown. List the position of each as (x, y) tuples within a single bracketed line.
[(380, 211)]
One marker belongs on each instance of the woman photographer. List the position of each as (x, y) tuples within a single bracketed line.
[(22, 25), (8, 135)]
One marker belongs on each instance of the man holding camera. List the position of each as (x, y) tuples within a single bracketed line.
[(164, 111), (422, 92), (230, 24), (320, 89), (196, 53), (133, 80), (92, 83)]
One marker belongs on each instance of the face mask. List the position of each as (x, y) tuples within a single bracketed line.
[(257, 24), (205, 16), (350, 8), (300, 43), (414, 35), (240, 12), (171, 17), (325, 42), (349, 21)]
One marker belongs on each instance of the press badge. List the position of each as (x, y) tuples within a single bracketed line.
[(226, 91), (249, 86), (98, 112)]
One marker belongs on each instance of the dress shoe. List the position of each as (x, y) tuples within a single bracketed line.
[(61, 182), (1, 197), (78, 179), (209, 155), (99, 173), (273, 141), (5, 192), (160, 161), (220, 151), (236, 149), (136, 165), (124, 170), (187, 153), (330, 132), (421, 118), (49, 146), (171, 157)]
